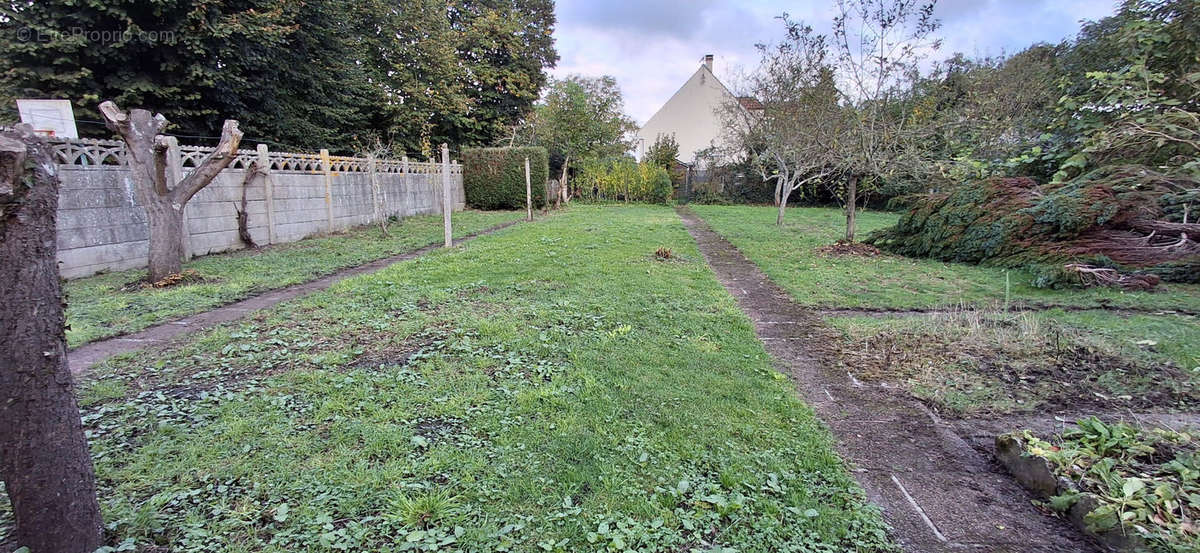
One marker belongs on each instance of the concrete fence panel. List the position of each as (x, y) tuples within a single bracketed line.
[(101, 226)]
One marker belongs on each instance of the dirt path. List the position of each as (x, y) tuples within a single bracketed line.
[(937, 492), (1016, 307), (88, 355)]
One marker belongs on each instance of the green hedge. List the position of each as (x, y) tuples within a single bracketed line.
[(494, 178)]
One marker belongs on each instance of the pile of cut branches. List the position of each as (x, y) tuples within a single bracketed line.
[(1118, 225)]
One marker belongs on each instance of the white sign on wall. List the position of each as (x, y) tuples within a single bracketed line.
[(50, 117)]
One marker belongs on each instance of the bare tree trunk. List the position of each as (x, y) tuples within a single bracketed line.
[(562, 185), (243, 215), (782, 203), (164, 201), (166, 236), (851, 207), (46, 465)]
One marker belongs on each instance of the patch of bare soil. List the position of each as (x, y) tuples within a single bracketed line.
[(967, 376), (398, 355), (436, 428), (854, 249)]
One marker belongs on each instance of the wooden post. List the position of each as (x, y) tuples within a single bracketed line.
[(264, 163), (528, 193), (327, 166), (174, 176), (446, 201)]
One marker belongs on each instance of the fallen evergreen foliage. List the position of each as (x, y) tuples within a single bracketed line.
[(1123, 217)]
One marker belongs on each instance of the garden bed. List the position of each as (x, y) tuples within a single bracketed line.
[(1133, 489), (978, 362)]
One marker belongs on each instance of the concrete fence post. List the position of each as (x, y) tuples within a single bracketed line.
[(377, 208), (528, 193), (264, 164), (327, 167), (174, 175), (447, 202)]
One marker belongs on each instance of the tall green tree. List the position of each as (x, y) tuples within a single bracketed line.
[(664, 151), (580, 117), (304, 73)]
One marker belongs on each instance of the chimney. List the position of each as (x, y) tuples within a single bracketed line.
[(708, 61)]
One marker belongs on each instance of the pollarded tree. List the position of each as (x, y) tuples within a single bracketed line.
[(879, 45), (146, 152), (46, 466), (792, 140)]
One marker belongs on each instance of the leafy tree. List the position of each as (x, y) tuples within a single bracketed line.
[(879, 45), (791, 140), (198, 61), (580, 117), (1145, 108), (663, 152), (505, 46), (304, 73)]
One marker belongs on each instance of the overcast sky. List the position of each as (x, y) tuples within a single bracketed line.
[(653, 46)]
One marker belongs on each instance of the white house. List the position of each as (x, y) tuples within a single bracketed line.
[(692, 115)]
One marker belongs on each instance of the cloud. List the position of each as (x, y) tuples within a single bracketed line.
[(653, 46)]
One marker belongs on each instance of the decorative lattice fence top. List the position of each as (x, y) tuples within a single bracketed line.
[(90, 152)]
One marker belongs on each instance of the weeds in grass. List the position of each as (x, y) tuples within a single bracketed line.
[(552, 403), (122, 302), (425, 510)]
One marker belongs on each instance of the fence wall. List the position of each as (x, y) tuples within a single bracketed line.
[(101, 225)]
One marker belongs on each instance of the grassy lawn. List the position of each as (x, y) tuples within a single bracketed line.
[(548, 388), (98, 307), (787, 256)]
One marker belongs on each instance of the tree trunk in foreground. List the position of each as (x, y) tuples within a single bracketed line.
[(46, 465), (146, 152), (851, 208)]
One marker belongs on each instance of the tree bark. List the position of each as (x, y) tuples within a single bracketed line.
[(243, 215), (562, 186), (166, 236), (46, 465), (164, 201), (851, 208), (783, 198)]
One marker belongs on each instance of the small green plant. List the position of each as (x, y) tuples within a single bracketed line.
[(1145, 482), (425, 510)]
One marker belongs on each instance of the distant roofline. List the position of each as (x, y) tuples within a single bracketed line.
[(703, 67)]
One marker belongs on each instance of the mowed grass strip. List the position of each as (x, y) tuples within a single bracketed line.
[(787, 255), (100, 306), (551, 387)]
